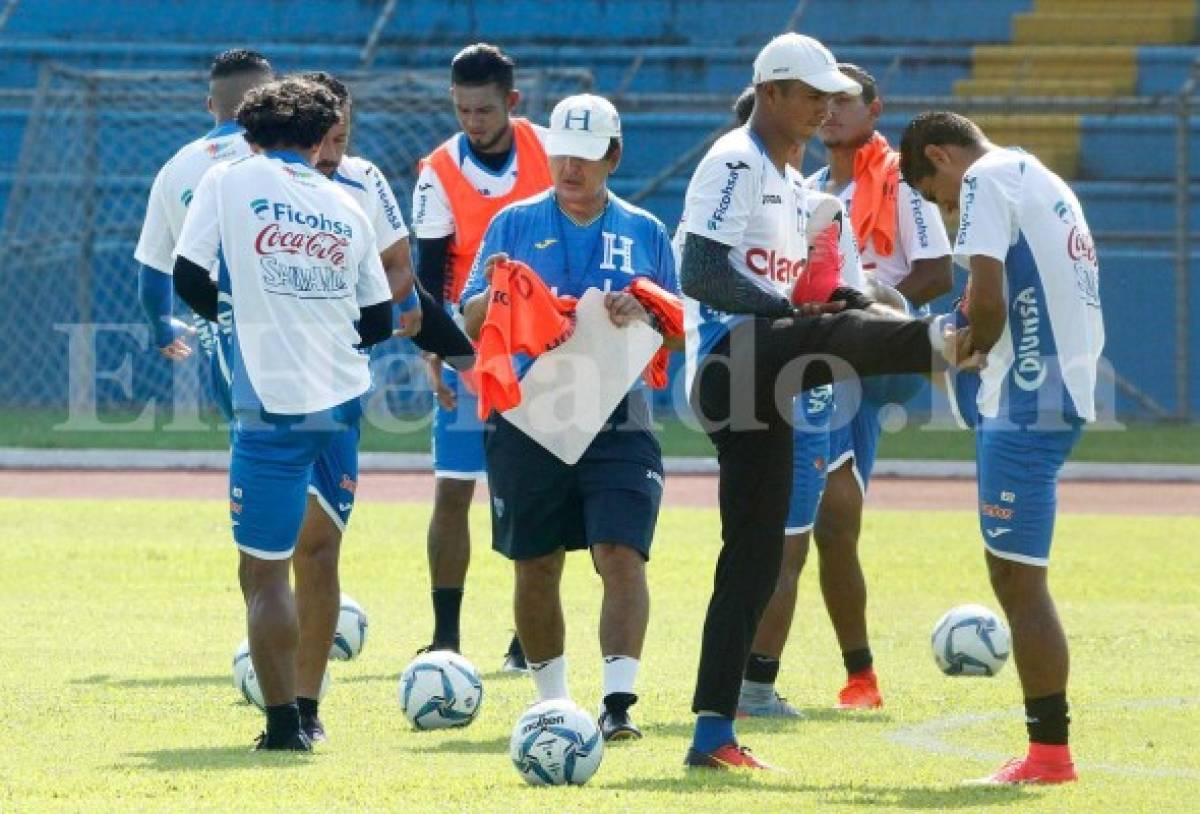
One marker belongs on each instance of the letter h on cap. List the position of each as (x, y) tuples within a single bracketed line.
[(581, 117)]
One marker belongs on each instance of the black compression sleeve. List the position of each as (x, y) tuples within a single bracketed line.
[(439, 334), (196, 288), (375, 324), (432, 256), (706, 276)]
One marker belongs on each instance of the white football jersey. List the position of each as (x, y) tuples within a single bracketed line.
[(297, 259), (174, 187), (432, 216), (1016, 211), (370, 189), (738, 197), (920, 232)]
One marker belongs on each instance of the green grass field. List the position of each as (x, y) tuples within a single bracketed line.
[(122, 618), (1131, 443)]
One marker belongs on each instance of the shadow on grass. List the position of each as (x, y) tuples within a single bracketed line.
[(864, 794), (153, 683), (208, 758), (457, 745)]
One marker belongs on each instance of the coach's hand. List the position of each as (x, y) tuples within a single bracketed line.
[(489, 265), (960, 352), (815, 309), (624, 308), (178, 349)]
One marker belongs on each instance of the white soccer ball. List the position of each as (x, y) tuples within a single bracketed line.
[(351, 633), (439, 690), (246, 682), (555, 743), (970, 640)]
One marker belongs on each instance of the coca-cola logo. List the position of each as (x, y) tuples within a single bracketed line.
[(1080, 245), (324, 246)]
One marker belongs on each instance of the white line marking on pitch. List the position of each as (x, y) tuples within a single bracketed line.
[(929, 737)]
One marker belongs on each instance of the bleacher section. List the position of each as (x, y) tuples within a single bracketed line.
[(676, 66)]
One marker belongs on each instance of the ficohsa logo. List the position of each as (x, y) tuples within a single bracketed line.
[(718, 215), (284, 212), (260, 207)]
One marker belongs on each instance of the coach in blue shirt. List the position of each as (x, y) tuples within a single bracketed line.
[(576, 236)]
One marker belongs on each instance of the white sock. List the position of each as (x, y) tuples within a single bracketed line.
[(620, 674), (550, 676), (757, 692)]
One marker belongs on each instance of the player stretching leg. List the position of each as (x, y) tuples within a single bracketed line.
[(903, 244), (297, 370), (1034, 309), (495, 160)]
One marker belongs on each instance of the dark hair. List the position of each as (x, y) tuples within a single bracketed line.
[(870, 91), (744, 106), (933, 127), (331, 83), (482, 64), (288, 112), (238, 61)]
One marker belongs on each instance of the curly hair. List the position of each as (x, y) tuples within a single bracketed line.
[(331, 83), (290, 112)]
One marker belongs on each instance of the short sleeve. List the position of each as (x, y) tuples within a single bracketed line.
[(156, 244), (372, 285), (200, 238), (987, 216), (494, 240), (432, 215), (385, 214), (721, 197), (922, 233)]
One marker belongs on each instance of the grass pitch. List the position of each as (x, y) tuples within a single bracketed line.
[(116, 693)]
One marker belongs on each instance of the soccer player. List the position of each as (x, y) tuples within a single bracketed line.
[(496, 159), (1034, 310), (417, 315), (904, 245), (300, 282), (746, 244), (578, 236)]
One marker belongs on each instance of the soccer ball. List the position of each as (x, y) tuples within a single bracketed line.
[(351, 633), (439, 690), (555, 743), (970, 640), (246, 682)]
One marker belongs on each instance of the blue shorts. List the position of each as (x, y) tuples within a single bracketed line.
[(277, 461), (1018, 480), (458, 434), (811, 412), (854, 438)]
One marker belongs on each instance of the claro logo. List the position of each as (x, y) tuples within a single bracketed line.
[(774, 266)]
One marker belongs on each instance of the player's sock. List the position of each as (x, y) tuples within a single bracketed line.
[(307, 706), (620, 675), (550, 676), (447, 605), (1047, 720), (762, 669), (283, 722), (858, 661), (712, 732)]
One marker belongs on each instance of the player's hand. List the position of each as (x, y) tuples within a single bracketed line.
[(178, 349), (410, 324), (445, 396), (489, 265), (960, 352), (624, 308), (815, 309)]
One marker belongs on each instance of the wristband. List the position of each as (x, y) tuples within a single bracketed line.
[(409, 303)]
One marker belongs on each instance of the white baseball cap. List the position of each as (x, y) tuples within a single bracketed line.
[(582, 126), (795, 56)]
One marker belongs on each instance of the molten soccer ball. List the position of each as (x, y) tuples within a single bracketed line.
[(970, 640), (439, 690), (555, 743), (351, 633)]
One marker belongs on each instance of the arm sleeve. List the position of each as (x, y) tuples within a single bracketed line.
[(922, 232), (432, 256), (374, 324), (432, 215), (706, 275), (385, 215), (156, 243), (200, 239), (196, 287), (986, 222), (155, 291)]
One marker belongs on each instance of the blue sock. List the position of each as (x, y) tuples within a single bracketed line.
[(712, 732)]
